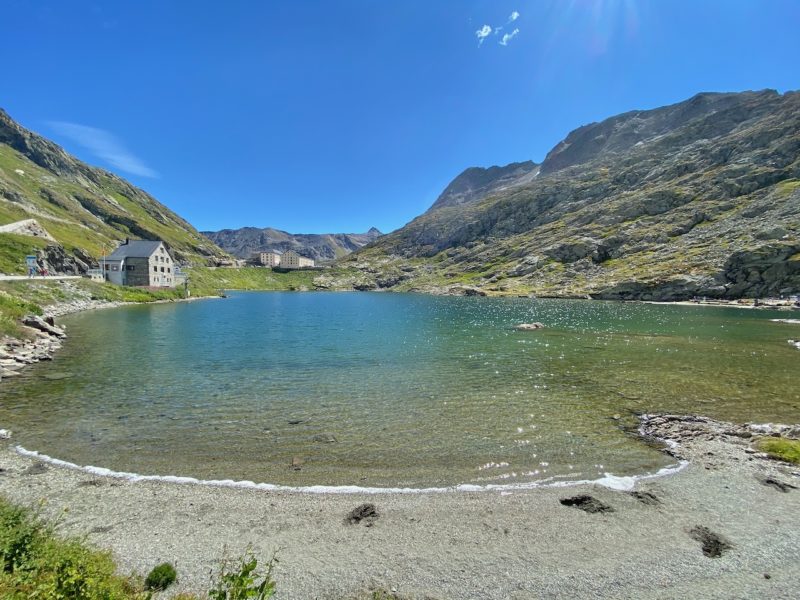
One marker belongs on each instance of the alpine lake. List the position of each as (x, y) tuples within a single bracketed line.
[(394, 390)]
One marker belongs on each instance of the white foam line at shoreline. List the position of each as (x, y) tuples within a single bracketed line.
[(623, 483)]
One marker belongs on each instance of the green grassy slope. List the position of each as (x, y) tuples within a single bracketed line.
[(87, 210)]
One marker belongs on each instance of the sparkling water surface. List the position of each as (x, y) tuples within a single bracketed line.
[(393, 390)]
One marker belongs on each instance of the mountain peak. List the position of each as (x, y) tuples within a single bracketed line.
[(477, 182)]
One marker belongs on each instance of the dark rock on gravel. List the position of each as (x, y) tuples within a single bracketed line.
[(713, 545), (587, 504), (366, 513)]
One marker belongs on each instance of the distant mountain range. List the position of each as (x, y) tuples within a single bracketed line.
[(84, 210), (247, 241), (698, 198)]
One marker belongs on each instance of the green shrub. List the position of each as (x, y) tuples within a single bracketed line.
[(240, 580), (161, 577), (37, 564)]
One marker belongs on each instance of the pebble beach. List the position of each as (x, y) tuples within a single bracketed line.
[(722, 527)]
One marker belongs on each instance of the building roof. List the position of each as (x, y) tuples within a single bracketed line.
[(135, 249)]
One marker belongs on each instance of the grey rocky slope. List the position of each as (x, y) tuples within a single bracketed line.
[(697, 198), (246, 241)]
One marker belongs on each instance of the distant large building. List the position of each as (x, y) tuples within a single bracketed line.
[(269, 259), (141, 263), (292, 260)]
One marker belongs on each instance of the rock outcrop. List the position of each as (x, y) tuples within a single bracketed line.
[(29, 227), (55, 259)]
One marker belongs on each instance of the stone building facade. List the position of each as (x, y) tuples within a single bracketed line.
[(140, 263)]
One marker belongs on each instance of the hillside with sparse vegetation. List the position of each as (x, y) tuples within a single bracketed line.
[(700, 198)]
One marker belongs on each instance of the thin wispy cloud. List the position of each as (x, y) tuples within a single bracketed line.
[(483, 33), (488, 30), (508, 37), (104, 145)]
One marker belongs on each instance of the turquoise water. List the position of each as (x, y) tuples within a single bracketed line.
[(416, 390)]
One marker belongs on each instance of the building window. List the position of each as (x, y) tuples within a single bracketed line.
[(155, 269), (107, 266), (114, 267), (169, 270), (130, 267), (162, 269)]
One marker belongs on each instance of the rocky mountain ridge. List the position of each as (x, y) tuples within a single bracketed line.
[(477, 182), (87, 210), (698, 198), (247, 241)]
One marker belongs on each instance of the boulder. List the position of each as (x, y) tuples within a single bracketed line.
[(42, 325)]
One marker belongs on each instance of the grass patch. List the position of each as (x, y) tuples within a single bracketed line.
[(119, 293), (788, 186), (35, 562), (13, 250), (38, 564), (207, 281), (780, 448), (12, 309)]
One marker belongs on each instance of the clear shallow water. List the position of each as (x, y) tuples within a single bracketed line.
[(417, 390)]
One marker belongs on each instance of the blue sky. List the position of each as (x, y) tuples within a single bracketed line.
[(329, 116)]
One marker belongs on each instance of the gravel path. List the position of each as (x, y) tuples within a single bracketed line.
[(724, 527)]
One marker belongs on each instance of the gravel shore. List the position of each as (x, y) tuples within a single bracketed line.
[(724, 527)]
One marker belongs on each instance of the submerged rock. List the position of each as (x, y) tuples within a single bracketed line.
[(57, 376), (529, 326)]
